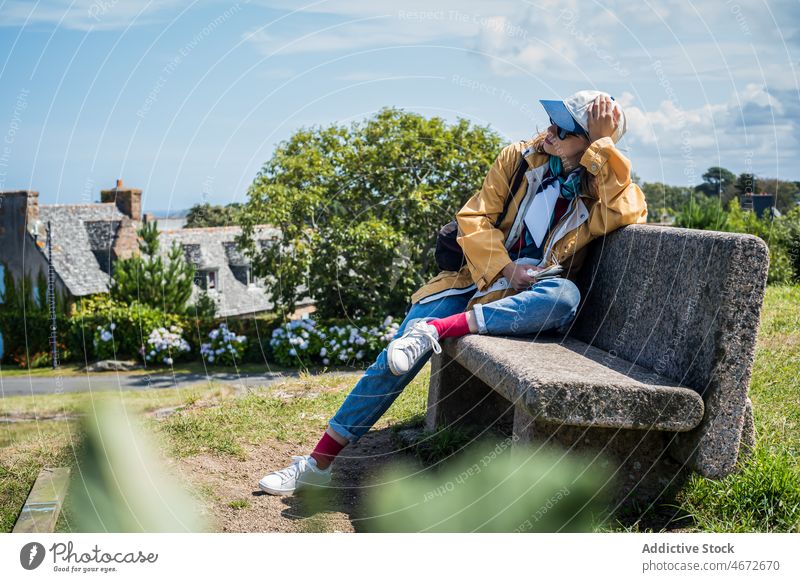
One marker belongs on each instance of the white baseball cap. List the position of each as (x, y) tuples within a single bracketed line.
[(572, 113)]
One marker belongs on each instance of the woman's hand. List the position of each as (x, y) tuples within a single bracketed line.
[(518, 277), (603, 118)]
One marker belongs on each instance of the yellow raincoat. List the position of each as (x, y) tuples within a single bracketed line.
[(619, 202)]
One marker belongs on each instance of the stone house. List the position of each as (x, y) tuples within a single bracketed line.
[(89, 238)]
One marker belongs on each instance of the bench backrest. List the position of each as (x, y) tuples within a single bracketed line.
[(686, 304)]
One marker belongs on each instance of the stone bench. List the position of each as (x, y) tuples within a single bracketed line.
[(653, 372)]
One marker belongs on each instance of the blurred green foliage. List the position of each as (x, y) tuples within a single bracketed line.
[(120, 484), (492, 487)]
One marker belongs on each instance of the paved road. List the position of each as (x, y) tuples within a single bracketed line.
[(123, 381)]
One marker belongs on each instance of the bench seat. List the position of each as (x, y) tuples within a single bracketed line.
[(564, 380)]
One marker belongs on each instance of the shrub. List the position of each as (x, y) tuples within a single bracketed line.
[(304, 341), (103, 343), (165, 345), (704, 213), (225, 348), (132, 327), (36, 360), (151, 279), (779, 233), (296, 342), (25, 320)]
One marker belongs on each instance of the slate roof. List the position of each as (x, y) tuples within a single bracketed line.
[(215, 248), (83, 235), (78, 230)]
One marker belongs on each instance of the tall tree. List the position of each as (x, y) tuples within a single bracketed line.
[(786, 193), (358, 208), (716, 180), (204, 215), (149, 279), (664, 200), (746, 185)]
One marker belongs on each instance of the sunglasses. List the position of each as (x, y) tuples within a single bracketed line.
[(564, 134)]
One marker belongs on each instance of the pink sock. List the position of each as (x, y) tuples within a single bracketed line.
[(453, 326), (327, 448)]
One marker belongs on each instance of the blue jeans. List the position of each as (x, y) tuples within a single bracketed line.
[(548, 304)]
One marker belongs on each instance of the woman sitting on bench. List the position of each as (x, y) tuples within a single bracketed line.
[(577, 188)]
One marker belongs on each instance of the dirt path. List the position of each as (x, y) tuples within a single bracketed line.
[(236, 504)]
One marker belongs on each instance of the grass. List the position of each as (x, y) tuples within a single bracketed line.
[(295, 411), (73, 369), (239, 504), (28, 446), (763, 496), (67, 403)]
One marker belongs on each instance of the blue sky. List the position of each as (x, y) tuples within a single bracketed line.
[(186, 100)]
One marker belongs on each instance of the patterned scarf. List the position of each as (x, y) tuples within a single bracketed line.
[(570, 185)]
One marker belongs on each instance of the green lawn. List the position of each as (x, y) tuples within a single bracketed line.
[(72, 369), (26, 446), (764, 496)]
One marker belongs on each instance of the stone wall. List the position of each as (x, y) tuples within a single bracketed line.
[(19, 214)]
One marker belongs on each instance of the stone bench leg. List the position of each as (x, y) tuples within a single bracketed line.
[(457, 398), (748, 441), (642, 470)]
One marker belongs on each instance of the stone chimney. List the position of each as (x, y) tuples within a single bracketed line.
[(19, 210), (128, 200), (19, 215), (126, 243)]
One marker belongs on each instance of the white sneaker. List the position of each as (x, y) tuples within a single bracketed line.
[(303, 472), (417, 340)]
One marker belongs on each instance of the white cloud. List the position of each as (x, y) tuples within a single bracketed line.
[(361, 25), (752, 120)]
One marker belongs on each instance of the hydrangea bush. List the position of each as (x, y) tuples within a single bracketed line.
[(103, 342), (164, 345), (304, 341), (296, 342), (225, 348)]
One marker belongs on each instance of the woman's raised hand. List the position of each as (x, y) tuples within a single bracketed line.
[(603, 118)]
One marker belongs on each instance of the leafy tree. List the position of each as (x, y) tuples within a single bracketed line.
[(746, 185), (203, 215), (663, 199), (148, 279), (359, 207), (786, 193), (718, 182)]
